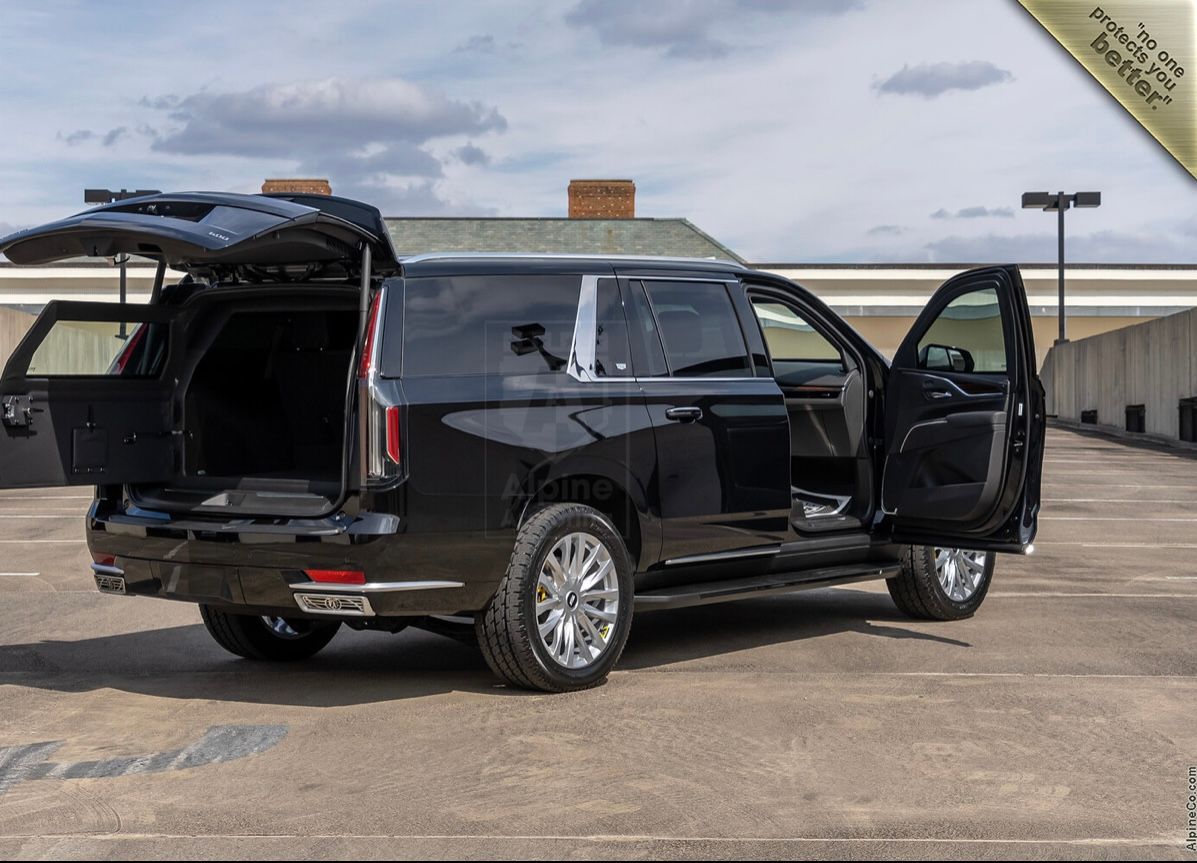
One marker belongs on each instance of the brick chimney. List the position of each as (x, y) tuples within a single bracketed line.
[(298, 186), (602, 199)]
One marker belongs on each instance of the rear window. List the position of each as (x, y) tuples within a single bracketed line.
[(94, 348), (495, 325)]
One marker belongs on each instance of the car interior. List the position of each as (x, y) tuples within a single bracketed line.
[(262, 389), (824, 388)]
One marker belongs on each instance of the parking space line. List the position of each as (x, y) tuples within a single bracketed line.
[(614, 839), (50, 515), (1104, 518), (24, 574), (1039, 544), (28, 541), (1116, 500), (4, 497), (1062, 594)]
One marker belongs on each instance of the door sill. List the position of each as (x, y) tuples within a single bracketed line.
[(708, 593)]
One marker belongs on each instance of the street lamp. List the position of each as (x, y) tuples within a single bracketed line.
[(107, 196), (1060, 202)]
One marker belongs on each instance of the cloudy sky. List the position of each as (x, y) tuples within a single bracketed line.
[(812, 130)]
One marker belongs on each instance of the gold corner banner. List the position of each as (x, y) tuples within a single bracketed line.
[(1143, 53)]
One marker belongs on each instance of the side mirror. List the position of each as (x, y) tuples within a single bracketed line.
[(944, 358)]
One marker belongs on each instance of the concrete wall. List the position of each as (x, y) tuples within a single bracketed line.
[(13, 326), (1151, 364)]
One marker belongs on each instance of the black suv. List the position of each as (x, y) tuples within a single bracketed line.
[(306, 431)]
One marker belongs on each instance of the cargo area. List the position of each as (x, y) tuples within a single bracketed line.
[(263, 409)]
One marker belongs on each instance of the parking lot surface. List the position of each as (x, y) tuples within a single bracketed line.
[(1058, 722)]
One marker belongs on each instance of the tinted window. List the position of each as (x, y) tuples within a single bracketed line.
[(967, 336), (505, 325), (699, 329), (647, 353), (74, 348), (790, 337), (611, 333)]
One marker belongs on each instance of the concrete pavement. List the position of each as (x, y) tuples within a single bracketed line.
[(1059, 722)]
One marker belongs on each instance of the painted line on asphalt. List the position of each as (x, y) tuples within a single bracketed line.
[(7, 497), (52, 515), (27, 541), (1117, 500), (1110, 544), (1104, 518), (1129, 484), (1061, 594), (20, 574), (613, 838)]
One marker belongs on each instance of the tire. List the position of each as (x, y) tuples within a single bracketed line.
[(919, 590), (252, 636), (509, 629)]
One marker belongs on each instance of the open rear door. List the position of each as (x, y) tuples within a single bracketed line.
[(83, 400), (964, 419)]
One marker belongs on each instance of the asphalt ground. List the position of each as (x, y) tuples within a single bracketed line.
[(1059, 722)]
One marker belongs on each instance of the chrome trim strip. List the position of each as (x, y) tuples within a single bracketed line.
[(559, 256), (726, 555), (581, 352), (375, 586), (105, 569)]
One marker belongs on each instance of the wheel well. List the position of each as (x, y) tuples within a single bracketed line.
[(601, 493)]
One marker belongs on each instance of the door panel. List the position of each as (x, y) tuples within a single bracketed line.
[(722, 433), (82, 402), (723, 474), (963, 412)]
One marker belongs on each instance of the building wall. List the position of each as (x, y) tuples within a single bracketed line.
[(886, 332), (882, 301), (13, 326)]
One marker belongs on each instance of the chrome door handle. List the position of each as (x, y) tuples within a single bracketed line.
[(684, 415), (938, 394)]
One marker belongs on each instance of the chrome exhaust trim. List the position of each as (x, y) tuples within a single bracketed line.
[(109, 579), (332, 603)]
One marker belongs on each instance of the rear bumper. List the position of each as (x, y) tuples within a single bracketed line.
[(260, 567)]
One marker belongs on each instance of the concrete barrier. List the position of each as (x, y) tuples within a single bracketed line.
[(1150, 364), (13, 326)]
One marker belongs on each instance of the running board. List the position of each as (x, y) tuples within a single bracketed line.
[(711, 592)]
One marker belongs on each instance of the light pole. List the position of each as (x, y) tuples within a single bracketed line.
[(107, 196), (1060, 202)]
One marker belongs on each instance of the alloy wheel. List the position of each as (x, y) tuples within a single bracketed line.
[(960, 572), (577, 600)]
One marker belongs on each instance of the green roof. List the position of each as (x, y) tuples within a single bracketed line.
[(671, 237)]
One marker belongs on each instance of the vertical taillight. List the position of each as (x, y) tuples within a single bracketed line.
[(367, 363), (393, 433)]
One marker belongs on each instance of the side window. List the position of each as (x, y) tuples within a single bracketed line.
[(91, 348), (790, 337), (498, 325), (611, 333), (647, 354), (968, 336), (699, 329)]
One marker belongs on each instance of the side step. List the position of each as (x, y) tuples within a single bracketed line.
[(707, 593)]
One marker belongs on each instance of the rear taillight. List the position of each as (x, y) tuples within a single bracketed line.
[(336, 576), (367, 363), (103, 559), (393, 434), (130, 348)]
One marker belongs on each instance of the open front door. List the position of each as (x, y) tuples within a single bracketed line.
[(964, 419), (83, 400)]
